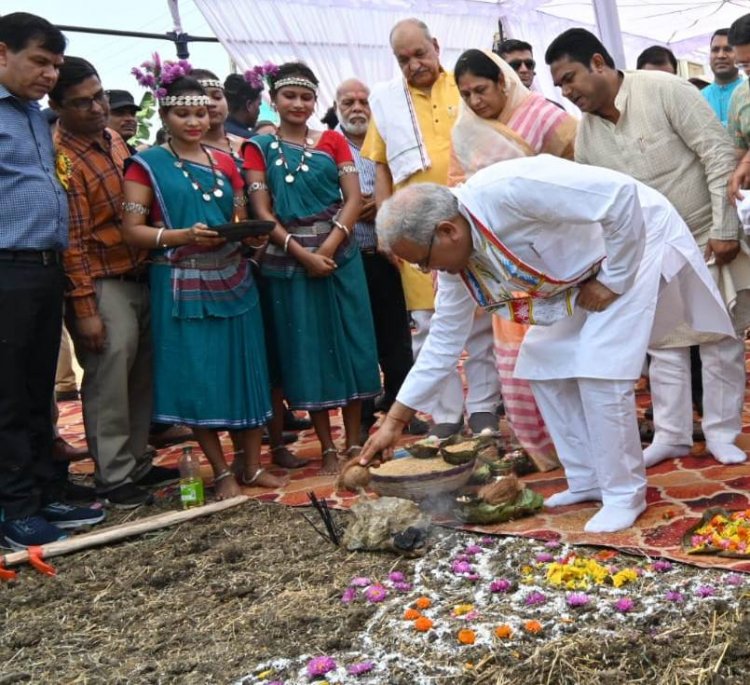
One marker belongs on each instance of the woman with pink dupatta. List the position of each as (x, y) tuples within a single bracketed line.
[(501, 119)]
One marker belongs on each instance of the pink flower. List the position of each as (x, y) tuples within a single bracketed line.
[(473, 550), (360, 668), (577, 599), (360, 581), (396, 577), (349, 595), (402, 587), (705, 591), (461, 567), (500, 585), (624, 605), (552, 544), (472, 576), (534, 598), (734, 579), (661, 566), (319, 666), (487, 540), (674, 596), (375, 593), (544, 557)]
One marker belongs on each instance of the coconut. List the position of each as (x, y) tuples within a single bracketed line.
[(426, 448), (501, 491), (353, 476)]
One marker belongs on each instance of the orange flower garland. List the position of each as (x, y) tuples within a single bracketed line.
[(422, 624)]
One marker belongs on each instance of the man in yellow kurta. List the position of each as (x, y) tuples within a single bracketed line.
[(409, 139)]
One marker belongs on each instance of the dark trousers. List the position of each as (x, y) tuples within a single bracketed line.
[(696, 378), (31, 305), (392, 332)]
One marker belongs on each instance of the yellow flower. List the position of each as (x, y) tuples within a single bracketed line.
[(627, 575), (64, 169), (463, 609)]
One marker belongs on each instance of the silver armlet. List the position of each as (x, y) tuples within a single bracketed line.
[(135, 208), (255, 186), (240, 200), (348, 169)]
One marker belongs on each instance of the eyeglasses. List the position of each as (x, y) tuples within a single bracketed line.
[(517, 63), (84, 104), (424, 265)]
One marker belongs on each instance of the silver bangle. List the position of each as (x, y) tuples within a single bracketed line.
[(341, 226), (348, 169), (159, 234), (255, 186), (286, 242), (135, 208), (240, 200)]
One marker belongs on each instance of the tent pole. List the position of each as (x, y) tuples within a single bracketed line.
[(608, 23)]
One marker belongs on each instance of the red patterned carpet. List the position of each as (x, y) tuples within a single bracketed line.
[(679, 491)]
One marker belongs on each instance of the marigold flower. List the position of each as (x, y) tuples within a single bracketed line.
[(422, 624), (466, 636), (411, 614), (462, 609), (423, 603), (627, 575), (504, 631), (533, 627)]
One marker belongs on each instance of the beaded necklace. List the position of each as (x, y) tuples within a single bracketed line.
[(236, 155), (306, 154), (211, 193)]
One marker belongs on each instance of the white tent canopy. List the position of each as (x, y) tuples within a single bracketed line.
[(344, 38)]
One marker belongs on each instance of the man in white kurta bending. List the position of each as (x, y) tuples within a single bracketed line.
[(606, 268)]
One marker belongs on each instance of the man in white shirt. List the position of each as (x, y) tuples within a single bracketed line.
[(610, 268)]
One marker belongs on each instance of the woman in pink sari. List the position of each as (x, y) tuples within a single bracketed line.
[(501, 119)]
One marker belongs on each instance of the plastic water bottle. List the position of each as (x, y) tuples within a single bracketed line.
[(191, 483)]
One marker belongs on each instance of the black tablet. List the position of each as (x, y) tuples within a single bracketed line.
[(244, 229)]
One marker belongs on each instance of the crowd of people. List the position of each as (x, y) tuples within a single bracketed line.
[(442, 213)]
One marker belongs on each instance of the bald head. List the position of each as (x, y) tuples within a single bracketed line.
[(417, 53), (353, 105)]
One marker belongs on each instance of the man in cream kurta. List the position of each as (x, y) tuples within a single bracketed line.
[(409, 139), (560, 222), (657, 128)]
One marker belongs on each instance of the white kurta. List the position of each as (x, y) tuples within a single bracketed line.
[(561, 218)]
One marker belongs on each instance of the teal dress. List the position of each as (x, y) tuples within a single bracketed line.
[(209, 346), (321, 338)]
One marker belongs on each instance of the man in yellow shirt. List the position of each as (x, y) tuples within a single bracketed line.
[(409, 139)]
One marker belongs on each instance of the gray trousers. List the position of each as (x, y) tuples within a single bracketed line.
[(116, 391)]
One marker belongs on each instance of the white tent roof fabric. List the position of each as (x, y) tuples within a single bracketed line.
[(340, 39)]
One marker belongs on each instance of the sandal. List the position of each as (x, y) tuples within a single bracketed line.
[(281, 456)]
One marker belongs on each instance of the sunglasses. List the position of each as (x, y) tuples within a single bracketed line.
[(517, 63)]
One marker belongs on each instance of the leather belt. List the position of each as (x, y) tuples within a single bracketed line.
[(43, 257), (140, 276)]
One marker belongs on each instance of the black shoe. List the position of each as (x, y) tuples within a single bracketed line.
[(294, 423), (158, 476), (446, 430), (67, 396), (128, 496), (417, 427), (483, 421), (287, 437), (76, 494)]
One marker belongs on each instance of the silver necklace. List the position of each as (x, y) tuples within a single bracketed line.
[(289, 176), (207, 194)]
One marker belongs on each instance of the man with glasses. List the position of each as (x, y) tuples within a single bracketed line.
[(520, 57), (726, 75), (108, 310), (601, 266)]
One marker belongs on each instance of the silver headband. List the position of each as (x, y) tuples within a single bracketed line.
[(295, 81), (211, 83), (184, 101)]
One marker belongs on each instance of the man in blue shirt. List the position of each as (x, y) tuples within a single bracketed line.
[(726, 75), (33, 232)]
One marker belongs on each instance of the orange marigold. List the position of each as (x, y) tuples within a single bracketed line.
[(422, 624), (504, 631), (466, 636), (533, 627), (411, 615), (423, 603)]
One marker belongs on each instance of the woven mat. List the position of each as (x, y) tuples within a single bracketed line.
[(679, 490)]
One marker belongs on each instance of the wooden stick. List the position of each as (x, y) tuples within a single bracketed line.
[(124, 530)]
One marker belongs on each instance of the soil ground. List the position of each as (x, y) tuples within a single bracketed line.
[(209, 600)]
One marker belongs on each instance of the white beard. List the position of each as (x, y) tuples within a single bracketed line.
[(358, 129)]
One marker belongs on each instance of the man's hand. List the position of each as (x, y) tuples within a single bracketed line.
[(723, 251), (369, 210), (92, 333), (594, 296), (379, 446), (740, 180)]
